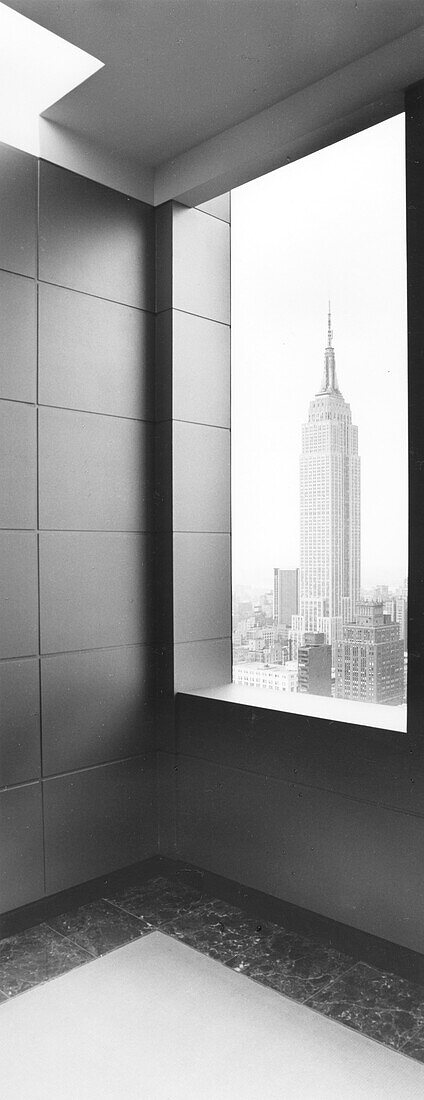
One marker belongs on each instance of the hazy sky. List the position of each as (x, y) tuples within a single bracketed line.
[(331, 225)]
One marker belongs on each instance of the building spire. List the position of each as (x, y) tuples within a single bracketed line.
[(330, 331), (329, 382)]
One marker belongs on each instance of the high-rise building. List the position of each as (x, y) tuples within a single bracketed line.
[(314, 665), (330, 509), (402, 619), (286, 595), (296, 635), (370, 659)]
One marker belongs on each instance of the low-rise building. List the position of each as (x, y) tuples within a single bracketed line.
[(272, 677)]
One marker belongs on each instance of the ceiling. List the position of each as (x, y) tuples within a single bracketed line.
[(178, 72)]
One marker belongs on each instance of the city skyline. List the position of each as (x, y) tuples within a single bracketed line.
[(320, 636), (345, 233)]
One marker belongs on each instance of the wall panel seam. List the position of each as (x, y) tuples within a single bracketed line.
[(97, 297), (95, 412), (294, 785), (189, 313), (34, 782), (145, 756), (17, 401), (200, 424), (226, 221), (18, 274)]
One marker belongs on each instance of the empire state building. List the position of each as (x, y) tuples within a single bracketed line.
[(330, 509)]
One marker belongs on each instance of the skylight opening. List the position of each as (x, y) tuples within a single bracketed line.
[(37, 68)]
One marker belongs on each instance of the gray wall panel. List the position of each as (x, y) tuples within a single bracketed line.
[(18, 337), (201, 351), (201, 264), (99, 820), (18, 211), (202, 473), (19, 721), (96, 472), (95, 355), (21, 848), (97, 706), (372, 765), (285, 851), (163, 581), (18, 465), (95, 590), (218, 208), (96, 465), (163, 365), (18, 594), (166, 766), (163, 478), (201, 664), (202, 596), (193, 369), (94, 239), (163, 234)]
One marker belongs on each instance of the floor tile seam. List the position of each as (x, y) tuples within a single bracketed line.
[(370, 966), (128, 912), (193, 947), (319, 1012), (109, 950), (77, 966), (70, 940), (415, 1034), (52, 978), (348, 1027), (295, 1000), (265, 985), (326, 988), (242, 974), (157, 924), (253, 962)]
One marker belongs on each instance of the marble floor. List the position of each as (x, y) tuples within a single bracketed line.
[(382, 1006), (158, 1020)]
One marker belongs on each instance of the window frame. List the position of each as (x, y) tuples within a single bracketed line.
[(413, 107)]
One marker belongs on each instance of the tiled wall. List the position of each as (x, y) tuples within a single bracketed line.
[(77, 773), (193, 436), (193, 467), (324, 815)]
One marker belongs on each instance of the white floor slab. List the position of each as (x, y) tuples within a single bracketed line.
[(155, 1020)]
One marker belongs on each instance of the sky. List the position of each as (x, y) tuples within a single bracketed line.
[(331, 225)]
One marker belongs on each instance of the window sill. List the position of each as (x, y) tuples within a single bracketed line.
[(313, 706)]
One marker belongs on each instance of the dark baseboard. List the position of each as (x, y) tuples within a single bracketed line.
[(362, 946), (16, 920)]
